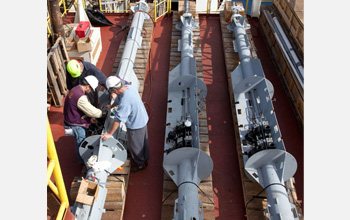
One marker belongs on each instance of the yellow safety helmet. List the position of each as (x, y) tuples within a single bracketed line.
[(73, 68)]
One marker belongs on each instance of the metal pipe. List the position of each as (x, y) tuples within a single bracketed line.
[(276, 193), (133, 43), (286, 47), (57, 173), (188, 192), (265, 158), (50, 170), (183, 161)]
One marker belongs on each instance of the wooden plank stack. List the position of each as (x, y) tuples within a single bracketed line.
[(117, 186), (289, 81), (254, 197), (56, 73), (205, 191), (142, 54)]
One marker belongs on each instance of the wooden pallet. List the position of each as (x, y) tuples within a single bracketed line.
[(205, 191), (293, 19), (56, 73), (285, 72), (255, 208), (116, 192), (142, 54)]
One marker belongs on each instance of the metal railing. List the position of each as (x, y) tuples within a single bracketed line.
[(48, 26), (157, 10), (65, 9), (54, 168), (111, 10)]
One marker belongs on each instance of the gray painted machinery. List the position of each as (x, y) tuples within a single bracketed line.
[(266, 160), (183, 161)]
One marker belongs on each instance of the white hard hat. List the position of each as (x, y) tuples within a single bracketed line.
[(113, 82), (93, 82)]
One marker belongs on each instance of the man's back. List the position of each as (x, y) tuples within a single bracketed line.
[(131, 109)]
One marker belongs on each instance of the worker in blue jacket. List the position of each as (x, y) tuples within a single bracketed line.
[(78, 70), (132, 112)]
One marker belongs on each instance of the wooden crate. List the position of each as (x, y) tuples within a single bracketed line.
[(290, 83)]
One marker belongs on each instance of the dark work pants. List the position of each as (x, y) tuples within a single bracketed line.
[(138, 145)]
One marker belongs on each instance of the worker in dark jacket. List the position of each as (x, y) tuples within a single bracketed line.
[(78, 69), (79, 112)]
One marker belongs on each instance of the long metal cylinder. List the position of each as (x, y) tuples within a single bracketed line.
[(188, 192), (183, 161), (277, 196), (242, 46), (265, 158), (133, 43), (186, 46)]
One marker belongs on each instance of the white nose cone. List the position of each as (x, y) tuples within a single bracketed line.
[(188, 123)]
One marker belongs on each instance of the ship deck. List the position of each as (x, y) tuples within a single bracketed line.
[(144, 196)]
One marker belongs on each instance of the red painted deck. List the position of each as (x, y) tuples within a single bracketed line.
[(228, 195), (144, 195)]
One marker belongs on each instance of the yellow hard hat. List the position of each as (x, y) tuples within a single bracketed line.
[(73, 68)]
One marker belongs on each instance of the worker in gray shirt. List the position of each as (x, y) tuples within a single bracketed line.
[(132, 112)]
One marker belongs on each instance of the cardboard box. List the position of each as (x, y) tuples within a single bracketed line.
[(87, 192), (93, 55), (83, 44), (70, 44)]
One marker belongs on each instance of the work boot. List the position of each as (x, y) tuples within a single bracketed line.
[(136, 168)]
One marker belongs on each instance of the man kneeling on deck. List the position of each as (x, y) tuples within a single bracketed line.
[(132, 112), (79, 112)]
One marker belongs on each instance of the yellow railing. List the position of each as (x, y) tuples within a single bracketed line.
[(54, 168), (65, 9), (156, 5), (48, 26)]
